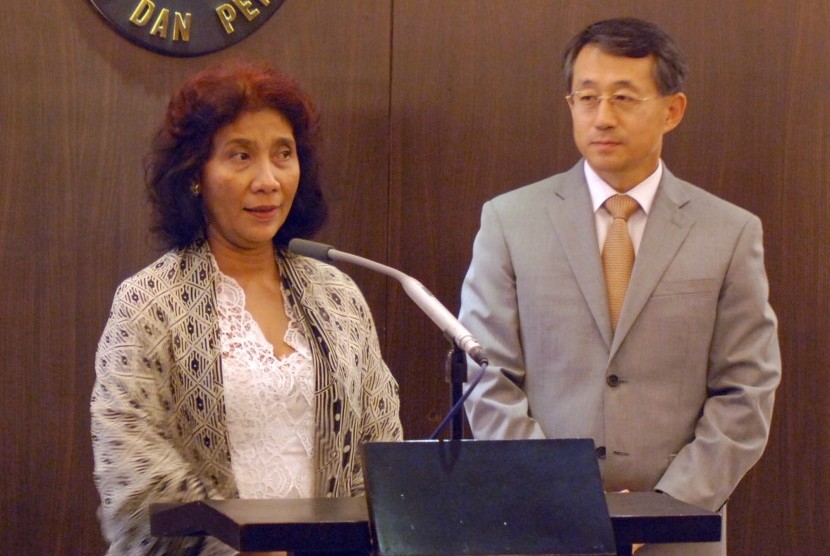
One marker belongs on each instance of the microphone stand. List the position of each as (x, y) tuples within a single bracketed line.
[(456, 369)]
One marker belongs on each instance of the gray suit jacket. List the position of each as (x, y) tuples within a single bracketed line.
[(680, 398)]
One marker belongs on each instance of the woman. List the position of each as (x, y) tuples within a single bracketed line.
[(231, 367)]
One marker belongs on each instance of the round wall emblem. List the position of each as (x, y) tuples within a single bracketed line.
[(186, 27)]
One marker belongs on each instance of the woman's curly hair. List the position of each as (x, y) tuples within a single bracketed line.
[(206, 102)]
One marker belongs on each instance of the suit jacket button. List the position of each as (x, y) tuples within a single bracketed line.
[(600, 452), (613, 381)]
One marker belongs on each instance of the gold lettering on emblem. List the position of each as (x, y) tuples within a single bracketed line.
[(245, 7), (143, 12), (159, 28), (170, 24), (227, 14), (181, 27)]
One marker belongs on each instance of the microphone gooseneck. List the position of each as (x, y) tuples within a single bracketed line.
[(446, 321)]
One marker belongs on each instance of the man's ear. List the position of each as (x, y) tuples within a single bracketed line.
[(675, 108)]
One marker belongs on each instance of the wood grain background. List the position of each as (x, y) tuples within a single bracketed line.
[(430, 108)]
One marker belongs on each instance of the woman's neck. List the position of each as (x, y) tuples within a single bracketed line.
[(245, 265)]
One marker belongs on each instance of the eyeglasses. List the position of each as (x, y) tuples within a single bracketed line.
[(587, 101)]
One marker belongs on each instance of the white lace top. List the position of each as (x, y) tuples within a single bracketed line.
[(269, 402)]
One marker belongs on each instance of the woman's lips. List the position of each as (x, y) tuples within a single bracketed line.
[(263, 212)]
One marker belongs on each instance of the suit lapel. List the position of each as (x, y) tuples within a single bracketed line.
[(572, 218), (665, 231)]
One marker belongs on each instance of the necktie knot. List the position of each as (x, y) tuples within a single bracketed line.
[(621, 206)]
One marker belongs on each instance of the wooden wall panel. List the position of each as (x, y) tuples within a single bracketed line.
[(477, 110), (471, 116)]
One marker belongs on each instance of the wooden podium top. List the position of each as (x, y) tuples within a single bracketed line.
[(342, 524)]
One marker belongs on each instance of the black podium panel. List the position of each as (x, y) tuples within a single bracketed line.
[(305, 525), (341, 525), (486, 497)]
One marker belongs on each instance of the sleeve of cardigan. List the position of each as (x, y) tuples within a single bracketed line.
[(381, 404), (136, 457)]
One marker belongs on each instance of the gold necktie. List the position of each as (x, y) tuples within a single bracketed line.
[(618, 253)]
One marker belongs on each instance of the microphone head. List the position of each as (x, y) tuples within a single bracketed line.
[(319, 251)]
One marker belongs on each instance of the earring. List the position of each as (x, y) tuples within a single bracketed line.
[(196, 188)]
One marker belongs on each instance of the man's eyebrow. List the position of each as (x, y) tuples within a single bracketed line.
[(616, 84)]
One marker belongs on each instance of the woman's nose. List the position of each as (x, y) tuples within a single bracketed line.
[(266, 178)]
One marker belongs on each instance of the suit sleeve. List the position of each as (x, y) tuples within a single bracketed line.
[(744, 371), (498, 407)]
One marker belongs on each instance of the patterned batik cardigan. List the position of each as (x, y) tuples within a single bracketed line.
[(158, 414)]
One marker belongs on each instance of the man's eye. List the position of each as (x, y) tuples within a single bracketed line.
[(587, 98), (624, 99)]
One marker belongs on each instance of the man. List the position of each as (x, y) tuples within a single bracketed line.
[(672, 372)]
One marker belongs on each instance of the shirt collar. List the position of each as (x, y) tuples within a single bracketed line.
[(643, 192)]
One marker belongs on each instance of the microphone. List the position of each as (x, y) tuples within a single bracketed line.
[(449, 325)]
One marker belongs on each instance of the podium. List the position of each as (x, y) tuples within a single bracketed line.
[(328, 526), (455, 497), (442, 498)]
